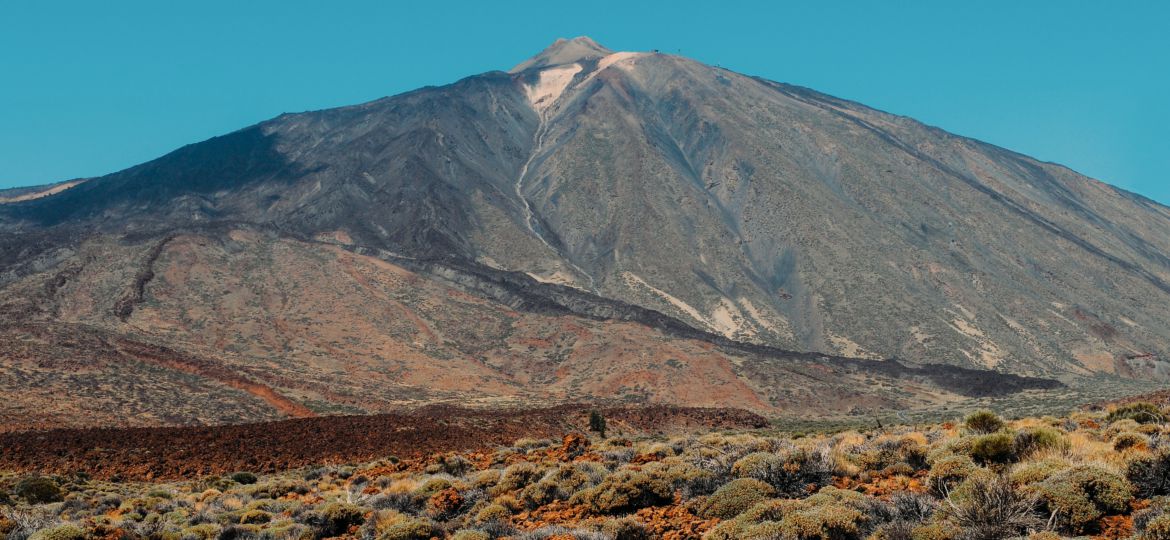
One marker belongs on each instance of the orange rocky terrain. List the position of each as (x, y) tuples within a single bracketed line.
[(657, 473), (178, 453), (236, 325)]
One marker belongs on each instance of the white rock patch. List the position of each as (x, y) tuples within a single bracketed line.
[(39, 194), (632, 279), (727, 320), (616, 58), (550, 86)]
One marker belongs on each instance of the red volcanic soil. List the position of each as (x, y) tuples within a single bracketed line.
[(186, 452)]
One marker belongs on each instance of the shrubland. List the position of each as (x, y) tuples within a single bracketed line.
[(1101, 474)]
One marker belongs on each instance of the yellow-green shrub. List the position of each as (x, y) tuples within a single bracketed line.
[(517, 476), (1157, 529), (1082, 494), (1032, 472), (983, 422), (829, 514), (626, 491), (413, 529), (735, 497), (561, 484), (471, 534), (625, 529), (1036, 439), (38, 490), (63, 532), (949, 472), (203, 531), (762, 466), (789, 473), (253, 517), (493, 512), (935, 531), (998, 448), (1142, 413), (1130, 440), (336, 518), (1150, 475)]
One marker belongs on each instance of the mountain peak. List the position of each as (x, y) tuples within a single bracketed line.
[(564, 51)]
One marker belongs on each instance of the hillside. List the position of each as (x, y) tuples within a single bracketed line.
[(591, 225)]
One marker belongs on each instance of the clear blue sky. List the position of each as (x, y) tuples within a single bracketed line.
[(88, 88)]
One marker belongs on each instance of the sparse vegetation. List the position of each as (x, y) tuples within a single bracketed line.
[(38, 490), (989, 507), (245, 478), (1141, 412), (597, 423), (983, 422), (981, 477), (995, 448), (735, 497), (1081, 495), (1150, 474)]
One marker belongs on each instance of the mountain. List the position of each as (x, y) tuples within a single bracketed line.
[(590, 224), (20, 194)]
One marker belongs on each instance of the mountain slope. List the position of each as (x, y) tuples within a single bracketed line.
[(712, 206), (242, 324)]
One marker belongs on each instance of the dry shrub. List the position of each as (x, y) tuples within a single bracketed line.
[(493, 512), (789, 473), (949, 472), (1124, 425), (1141, 412), (333, 519), (625, 529), (995, 448), (452, 464), (1033, 440), (471, 534), (983, 422), (735, 497), (38, 490), (626, 491), (517, 476), (1153, 523), (485, 479), (1034, 472), (1150, 475), (988, 507), (1130, 440), (1079, 496), (830, 514)]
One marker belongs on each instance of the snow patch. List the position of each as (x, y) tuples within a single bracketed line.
[(551, 84)]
